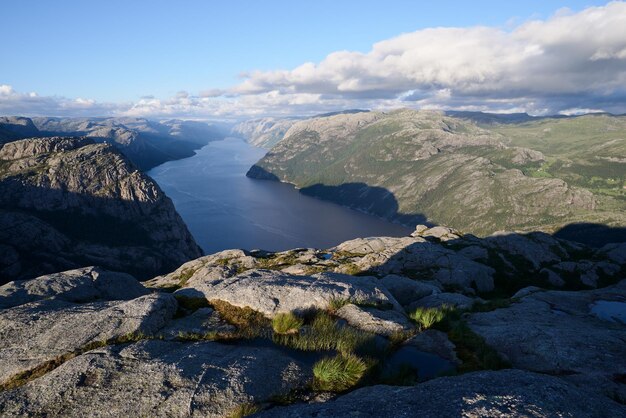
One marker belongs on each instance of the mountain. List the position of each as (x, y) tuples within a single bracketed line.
[(147, 143), (265, 132), (71, 202), (433, 324), (411, 166)]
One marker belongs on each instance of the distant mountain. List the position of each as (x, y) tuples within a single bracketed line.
[(70, 202), (147, 143), (412, 166), (265, 132)]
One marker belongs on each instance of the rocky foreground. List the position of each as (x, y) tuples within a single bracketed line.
[(435, 324)]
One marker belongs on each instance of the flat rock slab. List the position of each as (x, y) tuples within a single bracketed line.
[(406, 290), (202, 322), (270, 292), (38, 332), (557, 332), (157, 379), (434, 342), (80, 285), (505, 393), (381, 322)]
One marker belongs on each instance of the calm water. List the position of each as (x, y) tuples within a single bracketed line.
[(224, 209)]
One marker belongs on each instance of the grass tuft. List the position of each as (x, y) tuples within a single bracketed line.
[(427, 317), (244, 410), (339, 373), (287, 323)]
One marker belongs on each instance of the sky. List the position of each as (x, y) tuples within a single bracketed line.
[(242, 59)]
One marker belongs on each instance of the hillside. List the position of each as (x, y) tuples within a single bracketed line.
[(412, 166), (70, 202), (146, 143)]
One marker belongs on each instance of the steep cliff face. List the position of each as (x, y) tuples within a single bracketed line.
[(407, 164), (69, 202)]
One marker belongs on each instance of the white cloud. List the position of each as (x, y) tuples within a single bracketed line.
[(567, 63)]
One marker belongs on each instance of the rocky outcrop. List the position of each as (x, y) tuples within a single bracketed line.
[(558, 332), (271, 292), (79, 286), (158, 379), (68, 202), (377, 321), (509, 393)]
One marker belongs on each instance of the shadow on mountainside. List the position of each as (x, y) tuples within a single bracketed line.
[(44, 230)]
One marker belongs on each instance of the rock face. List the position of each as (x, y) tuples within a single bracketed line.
[(381, 322), (67, 203), (158, 379), (81, 285), (271, 292), (265, 132), (557, 332), (410, 166), (509, 393)]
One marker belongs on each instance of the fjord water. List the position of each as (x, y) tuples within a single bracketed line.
[(225, 209)]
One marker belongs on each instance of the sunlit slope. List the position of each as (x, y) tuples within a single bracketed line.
[(454, 172)]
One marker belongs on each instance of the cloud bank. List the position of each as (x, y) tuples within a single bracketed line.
[(569, 63)]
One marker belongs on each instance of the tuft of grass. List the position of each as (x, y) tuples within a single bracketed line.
[(244, 410), (325, 334), (427, 317), (339, 373), (207, 336), (337, 303), (249, 323), (287, 323)]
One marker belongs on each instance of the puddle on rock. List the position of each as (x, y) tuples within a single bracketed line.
[(426, 365), (610, 310)]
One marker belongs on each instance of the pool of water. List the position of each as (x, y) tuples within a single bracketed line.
[(613, 311)]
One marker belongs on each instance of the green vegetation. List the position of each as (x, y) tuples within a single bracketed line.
[(338, 373), (427, 317), (325, 334), (287, 323), (249, 323), (244, 410), (431, 161)]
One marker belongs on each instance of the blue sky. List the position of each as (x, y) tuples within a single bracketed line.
[(120, 51)]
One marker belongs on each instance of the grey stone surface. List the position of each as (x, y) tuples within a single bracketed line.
[(555, 332), (41, 331), (434, 342), (382, 322), (157, 379), (506, 393), (270, 292), (80, 285), (406, 290)]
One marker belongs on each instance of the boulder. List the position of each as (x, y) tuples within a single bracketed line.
[(80, 285), (434, 342), (406, 290), (158, 379), (381, 322), (271, 292), (505, 393), (39, 332)]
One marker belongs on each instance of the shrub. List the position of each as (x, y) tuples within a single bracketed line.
[(287, 323), (338, 373)]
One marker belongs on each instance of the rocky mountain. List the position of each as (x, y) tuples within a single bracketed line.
[(146, 143), (70, 202), (264, 132), (415, 166), (433, 324)]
